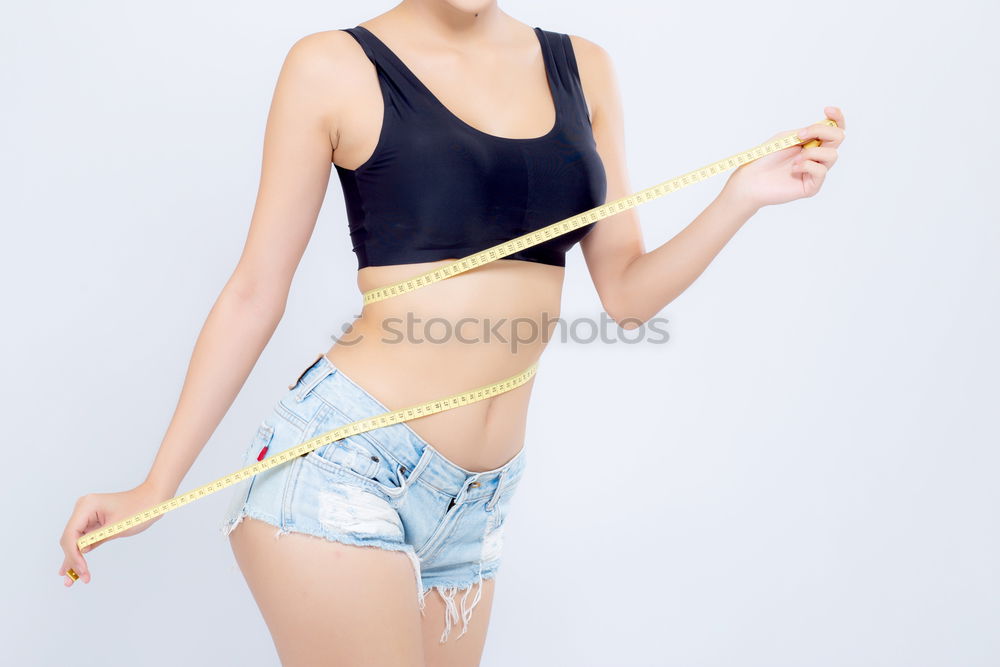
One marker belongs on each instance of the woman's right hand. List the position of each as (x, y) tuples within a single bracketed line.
[(96, 510)]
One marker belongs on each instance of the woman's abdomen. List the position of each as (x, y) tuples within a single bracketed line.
[(461, 333)]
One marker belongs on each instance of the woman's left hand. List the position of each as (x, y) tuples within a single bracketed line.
[(791, 173)]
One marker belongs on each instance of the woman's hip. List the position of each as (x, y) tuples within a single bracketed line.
[(387, 486)]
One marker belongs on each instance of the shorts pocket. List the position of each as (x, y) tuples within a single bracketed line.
[(496, 515), (354, 457), (241, 490), (261, 439), (497, 512), (350, 455)]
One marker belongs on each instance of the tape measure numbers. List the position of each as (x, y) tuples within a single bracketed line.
[(448, 271), (355, 427), (585, 218)]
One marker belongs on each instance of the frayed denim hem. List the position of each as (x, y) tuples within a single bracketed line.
[(452, 613)]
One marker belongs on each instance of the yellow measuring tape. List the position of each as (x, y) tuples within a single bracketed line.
[(585, 218), (455, 268)]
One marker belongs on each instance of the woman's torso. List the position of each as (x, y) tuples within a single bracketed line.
[(424, 187)]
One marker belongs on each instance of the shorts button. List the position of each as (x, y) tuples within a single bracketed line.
[(374, 458)]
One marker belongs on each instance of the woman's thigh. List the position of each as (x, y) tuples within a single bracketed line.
[(466, 650), (328, 603)]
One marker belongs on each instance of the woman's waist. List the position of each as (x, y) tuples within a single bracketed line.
[(449, 363), (501, 273), (503, 288), (476, 435), (443, 332)]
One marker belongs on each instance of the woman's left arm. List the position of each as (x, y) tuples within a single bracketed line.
[(633, 284)]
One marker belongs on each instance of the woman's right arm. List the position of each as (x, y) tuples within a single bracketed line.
[(300, 135)]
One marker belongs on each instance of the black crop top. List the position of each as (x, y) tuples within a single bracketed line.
[(437, 188)]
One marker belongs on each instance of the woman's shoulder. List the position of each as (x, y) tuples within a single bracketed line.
[(328, 64), (325, 49), (595, 69), (589, 54)]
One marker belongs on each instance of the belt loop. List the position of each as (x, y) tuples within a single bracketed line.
[(304, 371), (501, 483), (306, 388), (418, 467), (471, 480)]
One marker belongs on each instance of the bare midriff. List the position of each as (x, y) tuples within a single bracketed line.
[(470, 330)]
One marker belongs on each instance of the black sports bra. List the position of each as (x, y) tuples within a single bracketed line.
[(437, 188)]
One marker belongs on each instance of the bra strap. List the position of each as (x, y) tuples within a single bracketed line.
[(562, 61), (397, 82)]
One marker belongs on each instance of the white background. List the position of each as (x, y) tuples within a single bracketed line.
[(805, 475)]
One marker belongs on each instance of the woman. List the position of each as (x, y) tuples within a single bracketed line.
[(452, 127)]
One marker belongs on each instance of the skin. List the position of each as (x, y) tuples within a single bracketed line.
[(486, 68)]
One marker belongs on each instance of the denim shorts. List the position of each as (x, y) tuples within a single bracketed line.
[(387, 488)]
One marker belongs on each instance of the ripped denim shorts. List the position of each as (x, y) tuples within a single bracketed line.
[(386, 487)]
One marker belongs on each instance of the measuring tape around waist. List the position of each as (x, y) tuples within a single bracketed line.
[(355, 427), (450, 270)]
